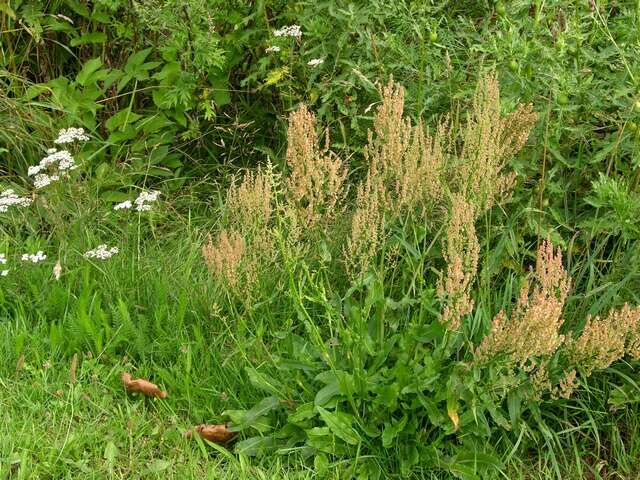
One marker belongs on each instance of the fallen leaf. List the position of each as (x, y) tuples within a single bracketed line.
[(142, 386), (214, 433)]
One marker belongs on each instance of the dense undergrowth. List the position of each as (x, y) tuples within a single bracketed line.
[(425, 277)]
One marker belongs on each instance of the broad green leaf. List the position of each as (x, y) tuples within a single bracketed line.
[(340, 425), (302, 413), (264, 382), (115, 196), (327, 393), (121, 120), (87, 38), (88, 69), (391, 431), (251, 416), (110, 453), (255, 445), (159, 465)]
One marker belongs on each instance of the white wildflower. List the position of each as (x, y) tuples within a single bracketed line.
[(8, 198), (272, 49), (69, 135), (61, 159), (4, 273), (3, 259), (143, 200), (42, 180), (289, 31), (315, 62), (34, 170), (101, 252), (123, 205), (39, 256)]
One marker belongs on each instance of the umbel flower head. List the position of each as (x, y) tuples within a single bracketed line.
[(142, 202), (70, 135), (3, 261), (288, 31), (37, 257), (8, 198), (101, 252), (56, 164)]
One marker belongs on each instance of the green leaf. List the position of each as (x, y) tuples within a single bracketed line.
[(391, 431), (88, 69), (137, 58), (251, 416), (327, 393), (302, 413), (121, 120), (159, 465), (255, 445), (264, 382), (88, 38), (110, 453), (340, 425), (114, 196)]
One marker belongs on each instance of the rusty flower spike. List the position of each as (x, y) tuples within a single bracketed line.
[(219, 434), (143, 386)]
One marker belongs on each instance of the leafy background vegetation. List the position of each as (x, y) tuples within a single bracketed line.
[(313, 365)]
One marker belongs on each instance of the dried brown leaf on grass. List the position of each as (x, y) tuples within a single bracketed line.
[(143, 386), (219, 434)]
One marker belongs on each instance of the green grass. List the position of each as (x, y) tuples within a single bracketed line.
[(52, 428)]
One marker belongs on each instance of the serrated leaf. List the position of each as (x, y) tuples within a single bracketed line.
[(88, 69)]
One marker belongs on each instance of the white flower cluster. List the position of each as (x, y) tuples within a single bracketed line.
[(60, 159), (101, 252), (142, 202), (124, 205), (315, 62), (3, 261), (39, 256), (272, 49), (69, 135), (8, 198), (289, 31)]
